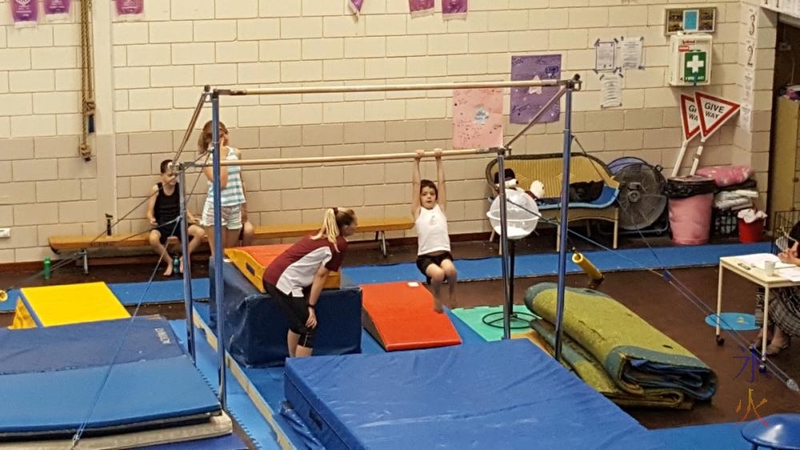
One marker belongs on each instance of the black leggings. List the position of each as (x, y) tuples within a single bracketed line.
[(296, 310)]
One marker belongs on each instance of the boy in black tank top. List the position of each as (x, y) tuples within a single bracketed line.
[(163, 213)]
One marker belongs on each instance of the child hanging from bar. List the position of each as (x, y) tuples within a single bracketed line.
[(428, 206), (163, 212)]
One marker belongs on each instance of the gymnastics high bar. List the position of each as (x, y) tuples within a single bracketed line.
[(567, 88), (340, 159)]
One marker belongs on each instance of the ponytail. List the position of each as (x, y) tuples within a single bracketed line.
[(332, 223)]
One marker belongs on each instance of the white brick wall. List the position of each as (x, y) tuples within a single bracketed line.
[(161, 64)]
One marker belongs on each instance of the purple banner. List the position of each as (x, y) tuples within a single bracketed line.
[(25, 12), (355, 6), (130, 7), (56, 7), (526, 102), (454, 9), (420, 7)]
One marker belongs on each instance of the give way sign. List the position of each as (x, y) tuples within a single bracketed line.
[(714, 112), (690, 119)]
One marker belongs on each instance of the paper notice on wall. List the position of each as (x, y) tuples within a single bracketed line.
[(57, 10), (454, 9), (355, 6), (748, 85), (610, 90), (25, 13), (477, 118), (526, 102), (751, 21), (745, 117), (130, 9), (631, 53), (420, 8), (605, 56)]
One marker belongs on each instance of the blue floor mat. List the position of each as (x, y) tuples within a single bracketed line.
[(240, 408), (59, 386), (547, 264), (229, 442), (726, 436)]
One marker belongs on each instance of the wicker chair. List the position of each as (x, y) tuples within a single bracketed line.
[(548, 169)]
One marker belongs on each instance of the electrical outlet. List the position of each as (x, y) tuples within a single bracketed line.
[(5, 233)]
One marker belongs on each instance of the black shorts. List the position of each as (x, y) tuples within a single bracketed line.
[(423, 261), (295, 308), (167, 231)]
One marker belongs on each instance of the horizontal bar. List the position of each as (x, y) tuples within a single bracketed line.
[(391, 87), (353, 158)]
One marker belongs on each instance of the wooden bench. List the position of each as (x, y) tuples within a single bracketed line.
[(549, 169), (82, 244)]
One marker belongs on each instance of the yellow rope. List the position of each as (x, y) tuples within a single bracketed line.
[(87, 81)]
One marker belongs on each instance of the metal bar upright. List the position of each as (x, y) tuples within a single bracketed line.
[(564, 231), (508, 305), (186, 269), (218, 283)]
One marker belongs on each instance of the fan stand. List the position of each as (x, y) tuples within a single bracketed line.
[(492, 319)]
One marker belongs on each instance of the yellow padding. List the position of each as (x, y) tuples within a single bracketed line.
[(22, 318), (534, 337), (72, 303), (253, 261)]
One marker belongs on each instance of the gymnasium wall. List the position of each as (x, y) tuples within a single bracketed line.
[(150, 74)]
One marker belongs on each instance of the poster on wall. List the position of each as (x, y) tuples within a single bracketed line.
[(57, 10), (454, 9), (130, 9), (420, 8), (610, 90), (355, 6), (526, 102), (25, 13), (477, 118)]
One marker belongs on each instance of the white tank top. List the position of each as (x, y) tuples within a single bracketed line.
[(432, 234)]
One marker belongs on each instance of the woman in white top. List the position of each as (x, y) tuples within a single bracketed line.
[(428, 208)]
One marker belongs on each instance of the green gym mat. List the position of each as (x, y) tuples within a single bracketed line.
[(473, 317)]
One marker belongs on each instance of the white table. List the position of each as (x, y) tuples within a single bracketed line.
[(759, 277)]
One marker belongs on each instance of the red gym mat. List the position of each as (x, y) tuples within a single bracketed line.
[(400, 316)]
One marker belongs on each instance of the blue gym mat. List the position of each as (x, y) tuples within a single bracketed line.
[(240, 407), (229, 442), (725, 436), (58, 384), (547, 264), (506, 394)]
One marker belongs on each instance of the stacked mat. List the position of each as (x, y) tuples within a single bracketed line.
[(618, 353), (128, 383)]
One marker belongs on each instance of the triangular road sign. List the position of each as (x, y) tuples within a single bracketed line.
[(690, 119), (714, 112)]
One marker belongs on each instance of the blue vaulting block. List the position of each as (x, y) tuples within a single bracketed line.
[(255, 326)]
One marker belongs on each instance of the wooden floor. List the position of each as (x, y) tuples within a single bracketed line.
[(647, 294)]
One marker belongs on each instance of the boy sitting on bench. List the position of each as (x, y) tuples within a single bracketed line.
[(163, 212)]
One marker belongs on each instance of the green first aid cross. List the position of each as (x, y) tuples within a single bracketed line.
[(694, 67)]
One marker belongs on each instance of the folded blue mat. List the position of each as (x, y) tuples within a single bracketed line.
[(56, 386)]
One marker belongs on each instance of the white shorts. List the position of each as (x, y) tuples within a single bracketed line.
[(231, 216)]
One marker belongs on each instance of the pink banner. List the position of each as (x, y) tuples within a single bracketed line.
[(25, 12), (57, 9), (454, 9), (477, 118), (355, 6), (56, 6), (130, 7), (420, 8)]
